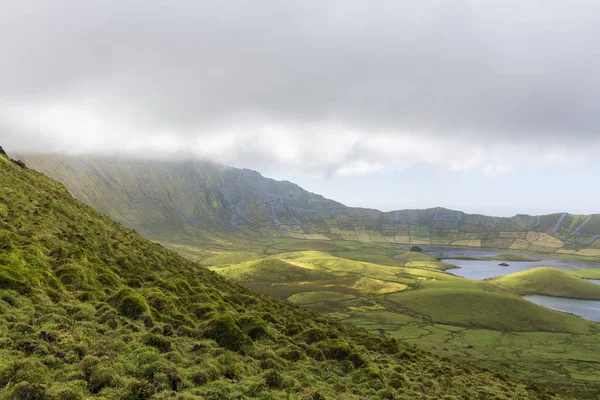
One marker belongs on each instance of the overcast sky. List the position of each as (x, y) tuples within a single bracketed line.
[(482, 105)]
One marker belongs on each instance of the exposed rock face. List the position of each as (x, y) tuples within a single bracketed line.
[(2, 152), (19, 163)]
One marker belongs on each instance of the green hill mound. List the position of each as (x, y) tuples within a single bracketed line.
[(90, 309), (550, 282), (475, 308), (270, 270)]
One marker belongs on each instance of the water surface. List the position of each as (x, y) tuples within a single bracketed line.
[(478, 269), (587, 309)]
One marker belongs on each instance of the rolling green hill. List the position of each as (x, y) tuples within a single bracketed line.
[(91, 309), (487, 310), (549, 282), (193, 204)]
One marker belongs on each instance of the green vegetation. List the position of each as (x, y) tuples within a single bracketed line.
[(482, 309), (272, 270), (549, 282), (438, 265), (477, 321), (415, 256), (592, 273), (90, 309)]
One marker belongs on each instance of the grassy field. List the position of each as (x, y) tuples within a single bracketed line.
[(480, 321)]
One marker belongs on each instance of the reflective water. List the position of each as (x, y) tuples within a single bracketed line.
[(477, 269), (587, 309)]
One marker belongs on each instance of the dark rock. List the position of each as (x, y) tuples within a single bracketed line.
[(2, 152), (503, 264), (470, 346), (18, 162), (416, 249)]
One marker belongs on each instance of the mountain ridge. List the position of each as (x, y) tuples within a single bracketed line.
[(204, 201)]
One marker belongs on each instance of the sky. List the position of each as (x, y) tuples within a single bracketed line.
[(489, 106)]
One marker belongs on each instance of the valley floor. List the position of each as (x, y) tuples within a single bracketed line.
[(410, 296)]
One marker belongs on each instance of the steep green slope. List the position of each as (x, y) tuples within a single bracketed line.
[(550, 282), (197, 203), (89, 309)]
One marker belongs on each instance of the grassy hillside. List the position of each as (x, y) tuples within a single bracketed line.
[(198, 204), (549, 282), (90, 309)]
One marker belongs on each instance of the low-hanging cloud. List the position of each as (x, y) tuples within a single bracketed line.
[(329, 86)]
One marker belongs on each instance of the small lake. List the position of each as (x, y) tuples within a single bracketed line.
[(587, 309), (483, 269), (477, 269)]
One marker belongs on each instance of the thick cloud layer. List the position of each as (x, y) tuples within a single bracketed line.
[(330, 86)]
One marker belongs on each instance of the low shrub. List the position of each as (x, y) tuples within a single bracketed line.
[(161, 343), (273, 379), (335, 349), (225, 331), (129, 303), (254, 327), (138, 390), (29, 391), (201, 375)]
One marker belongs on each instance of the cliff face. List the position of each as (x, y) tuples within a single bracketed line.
[(205, 201)]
